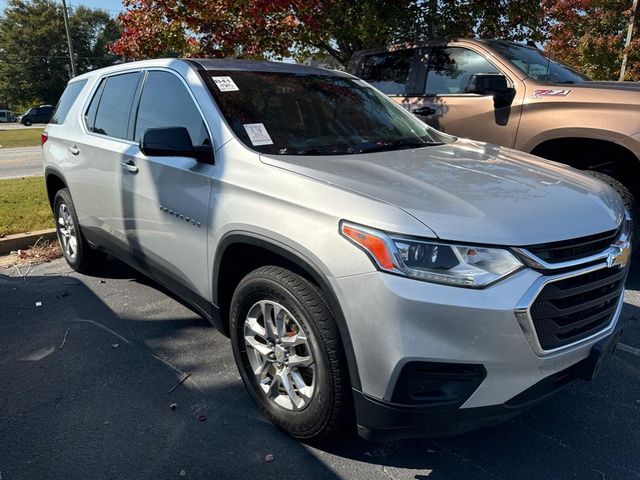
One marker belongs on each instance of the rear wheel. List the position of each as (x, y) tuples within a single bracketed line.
[(75, 248), (289, 354)]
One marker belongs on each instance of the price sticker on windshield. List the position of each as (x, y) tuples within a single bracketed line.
[(258, 134), (225, 84)]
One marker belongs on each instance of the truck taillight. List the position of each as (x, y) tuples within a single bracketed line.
[(43, 138)]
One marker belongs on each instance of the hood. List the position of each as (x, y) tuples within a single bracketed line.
[(473, 192)]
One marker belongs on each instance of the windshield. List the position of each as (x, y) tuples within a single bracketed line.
[(537, 65), (313, 114)]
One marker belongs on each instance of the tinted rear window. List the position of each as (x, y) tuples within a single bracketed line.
[(114, 108), (67, 100)]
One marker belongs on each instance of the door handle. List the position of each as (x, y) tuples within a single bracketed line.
[(129, 167), (74, 150), (424, 111)]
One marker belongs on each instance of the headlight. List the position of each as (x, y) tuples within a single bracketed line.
[(433, 261)]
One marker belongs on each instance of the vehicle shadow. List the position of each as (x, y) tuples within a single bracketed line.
[(87, 375), (91, 368)]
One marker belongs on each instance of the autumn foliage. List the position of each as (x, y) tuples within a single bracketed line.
[(588, 34)]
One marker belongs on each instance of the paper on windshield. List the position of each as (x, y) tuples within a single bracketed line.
[(258, 134), (225, 84)]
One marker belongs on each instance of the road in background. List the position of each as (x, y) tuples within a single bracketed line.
[(15, 126), (20, 162), (88, 362)]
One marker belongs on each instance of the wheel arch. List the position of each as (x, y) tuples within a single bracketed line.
[(54, 181), (256, 250), (604, 155)]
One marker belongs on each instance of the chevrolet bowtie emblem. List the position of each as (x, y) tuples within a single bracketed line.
[(620, 256)]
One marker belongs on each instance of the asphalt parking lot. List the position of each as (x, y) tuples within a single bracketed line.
[(85, 380)]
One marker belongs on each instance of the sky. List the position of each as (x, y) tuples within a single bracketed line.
[(112, 6)]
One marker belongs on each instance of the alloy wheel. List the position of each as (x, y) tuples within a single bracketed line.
[(280, 355), (67, 231)]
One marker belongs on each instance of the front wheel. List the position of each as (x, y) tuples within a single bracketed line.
[(288, 350)]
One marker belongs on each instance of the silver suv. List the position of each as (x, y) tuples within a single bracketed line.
[(362, 263)]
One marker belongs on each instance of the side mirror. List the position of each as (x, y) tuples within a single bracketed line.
[(173, 142), (492, 84)]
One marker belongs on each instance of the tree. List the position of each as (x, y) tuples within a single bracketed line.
[(262, 28), (506, 19), (34, 57), (590, 34), (298, 28)]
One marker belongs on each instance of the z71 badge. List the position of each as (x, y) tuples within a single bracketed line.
[(545, 92)]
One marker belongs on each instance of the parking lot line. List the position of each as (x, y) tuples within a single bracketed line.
[(632, 350)]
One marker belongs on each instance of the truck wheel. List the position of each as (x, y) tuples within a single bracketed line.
[(77, 252), (288, 350), (27, 123), (627, 197)]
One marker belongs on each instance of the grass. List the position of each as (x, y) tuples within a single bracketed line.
[(24, 206), (20, 137)]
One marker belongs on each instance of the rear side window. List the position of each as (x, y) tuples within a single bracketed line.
[(451, 68), (110, 108), (388, 71), (165, 102)]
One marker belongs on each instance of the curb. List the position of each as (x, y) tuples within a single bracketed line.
[(21, 241)]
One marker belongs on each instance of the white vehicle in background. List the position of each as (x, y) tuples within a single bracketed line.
[(7, 116)]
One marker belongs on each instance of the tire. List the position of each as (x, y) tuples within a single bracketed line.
[(77, 252), (629, 200), (27, 123), (627, 196), (304, 308)]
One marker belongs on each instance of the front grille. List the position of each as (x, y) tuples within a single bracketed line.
[(575, 308), (576, 248)]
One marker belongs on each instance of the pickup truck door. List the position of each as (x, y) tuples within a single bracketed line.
[(165, 200), (442, 102)]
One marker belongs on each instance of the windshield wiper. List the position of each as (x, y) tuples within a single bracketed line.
[(396, 145)]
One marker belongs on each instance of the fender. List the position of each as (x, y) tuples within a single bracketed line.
[(304, 263)]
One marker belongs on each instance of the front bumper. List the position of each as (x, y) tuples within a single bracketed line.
[(393, 321), (382, 421)]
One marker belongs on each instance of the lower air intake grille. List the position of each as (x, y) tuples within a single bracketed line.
[(569, 310)]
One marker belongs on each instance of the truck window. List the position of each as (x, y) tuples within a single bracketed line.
[(388, 71), (114, 105), (451, 68)]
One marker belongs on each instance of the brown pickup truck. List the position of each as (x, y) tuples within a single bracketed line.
[(515, 95)]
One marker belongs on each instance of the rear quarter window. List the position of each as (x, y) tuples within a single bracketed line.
[(66, 101)]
